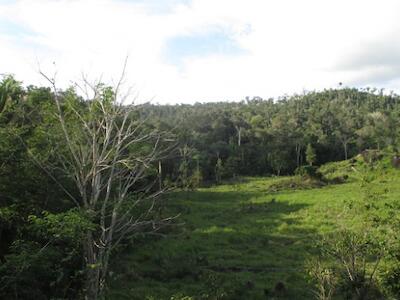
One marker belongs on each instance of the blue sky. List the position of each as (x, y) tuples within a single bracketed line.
[(158, 6), (215, 41), (205, 50), (12, 28)]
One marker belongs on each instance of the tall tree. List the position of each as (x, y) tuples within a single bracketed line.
[(110, 153)]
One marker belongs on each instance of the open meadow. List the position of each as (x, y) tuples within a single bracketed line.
[(253, 239)]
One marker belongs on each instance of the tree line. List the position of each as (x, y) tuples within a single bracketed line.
[(263, 137)]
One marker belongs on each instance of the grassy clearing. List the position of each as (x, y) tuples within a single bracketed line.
[(244, 241)]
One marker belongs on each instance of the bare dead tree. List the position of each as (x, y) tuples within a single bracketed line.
[(109, 153)]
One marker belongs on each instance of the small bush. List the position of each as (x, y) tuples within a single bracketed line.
[(296, 183), (371, 156), (396, 161), (356, 258), (324, 279), (307, 171)]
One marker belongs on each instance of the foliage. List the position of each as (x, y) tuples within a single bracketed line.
[(70, 225), (356, 257), (10, 91), (324, 280), (296, 183), (263, 136), (307, 171), (49, 264)]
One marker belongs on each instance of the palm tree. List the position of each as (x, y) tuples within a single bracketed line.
[(10, 89)]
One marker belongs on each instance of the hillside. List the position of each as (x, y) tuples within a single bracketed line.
[(248, 240)]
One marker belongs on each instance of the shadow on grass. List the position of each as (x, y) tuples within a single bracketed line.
[(240, 244)]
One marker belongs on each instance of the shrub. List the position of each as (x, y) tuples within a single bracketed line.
[(371, 156), (356, 258), (324, 278), (307, 171), (396, 161), (295, 183)]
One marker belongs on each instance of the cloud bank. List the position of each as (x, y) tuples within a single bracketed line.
[(205, 50)]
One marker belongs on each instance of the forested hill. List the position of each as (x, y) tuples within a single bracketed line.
[(259, 137), (217, 141)]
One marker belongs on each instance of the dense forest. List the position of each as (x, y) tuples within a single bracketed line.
[(264, 137), (83, 176)]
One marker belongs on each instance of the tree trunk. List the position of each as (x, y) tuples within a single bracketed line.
[(92, 286), (159, 175), (298, 154), (239, 132)]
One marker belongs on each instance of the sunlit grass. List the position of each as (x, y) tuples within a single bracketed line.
[(243, 239)]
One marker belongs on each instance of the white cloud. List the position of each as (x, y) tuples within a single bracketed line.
[(290, 45)]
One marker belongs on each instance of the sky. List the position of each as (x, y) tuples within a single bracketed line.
[(186, 51)]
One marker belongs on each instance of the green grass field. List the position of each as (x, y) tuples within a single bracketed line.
[(246, 240)]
